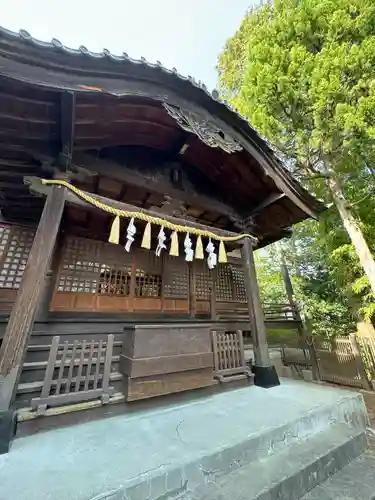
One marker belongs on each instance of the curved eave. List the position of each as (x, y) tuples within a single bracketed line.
[(55, 66)]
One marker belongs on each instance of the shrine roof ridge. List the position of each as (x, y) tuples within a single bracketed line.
[(105, 53)]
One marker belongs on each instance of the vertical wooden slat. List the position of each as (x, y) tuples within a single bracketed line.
[(215, 350), (229, 342), (80, 366), (242, 350), (225, 350), (237, 349), (360, 366), (71, 367), (62, 367), (232, 351), (107, 362), (97, 367), (50, 367), (89, 363), (221, 349)]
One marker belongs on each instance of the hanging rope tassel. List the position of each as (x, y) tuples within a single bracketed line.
[(114, 237), (222, 253), (146, 240), (174, 244), (199, 254)]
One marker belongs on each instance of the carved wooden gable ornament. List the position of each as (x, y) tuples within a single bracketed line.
[(207, 131)]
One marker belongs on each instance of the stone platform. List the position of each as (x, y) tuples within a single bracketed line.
[(248, 443)]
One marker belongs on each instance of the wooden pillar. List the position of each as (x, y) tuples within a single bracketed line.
[(44, 303), (213, 312), (22, 317), (192, 291), (265, 373)]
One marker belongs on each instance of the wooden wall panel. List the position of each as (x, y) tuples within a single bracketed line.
[(163, 359), (175, 306), (168, 340), (202, 306), (105, 303), (7, 298), (147, 304), (146, 367), (62, 302), (141, 388), (84, 302)]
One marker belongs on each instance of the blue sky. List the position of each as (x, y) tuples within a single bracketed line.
[(187, 35)]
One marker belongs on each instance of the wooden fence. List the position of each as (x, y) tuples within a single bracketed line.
[(343, 360), (229, 356), (340, 361), (76, 372), (280, 312)]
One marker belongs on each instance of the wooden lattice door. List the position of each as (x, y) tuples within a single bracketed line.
[(92, 276), (101, 277)]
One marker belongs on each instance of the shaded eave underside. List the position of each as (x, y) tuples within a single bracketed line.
[(52, 66)]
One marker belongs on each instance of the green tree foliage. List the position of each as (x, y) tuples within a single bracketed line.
[(314, 280), (271, 284), (303, 73)]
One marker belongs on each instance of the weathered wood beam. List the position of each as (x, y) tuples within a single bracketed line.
[(67, 113), (38, 188), (270, 200), (21, 320), (131, 177), (265, 374)]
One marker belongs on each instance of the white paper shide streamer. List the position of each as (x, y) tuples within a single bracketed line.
[(189, 252), (161, 242), (212, 257), (130, 232)]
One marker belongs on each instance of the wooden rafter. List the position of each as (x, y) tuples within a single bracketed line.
[(131, 177), (270, 200), (68, 108)]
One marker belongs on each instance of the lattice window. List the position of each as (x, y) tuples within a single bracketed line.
[(224, 283), (239, 287), (203, 282), (93, 267), (4, 238), (80, 266), (147, 284), (176, 278), (115, 281), (230, 283), (148, 274), (15, 246)]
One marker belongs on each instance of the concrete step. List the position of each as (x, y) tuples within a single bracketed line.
[(287, 475), (356, 481), (294, 435)]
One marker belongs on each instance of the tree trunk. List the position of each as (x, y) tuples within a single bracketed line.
[(352, 227)]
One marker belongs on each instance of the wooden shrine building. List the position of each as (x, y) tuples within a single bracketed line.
[(152, 161)]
